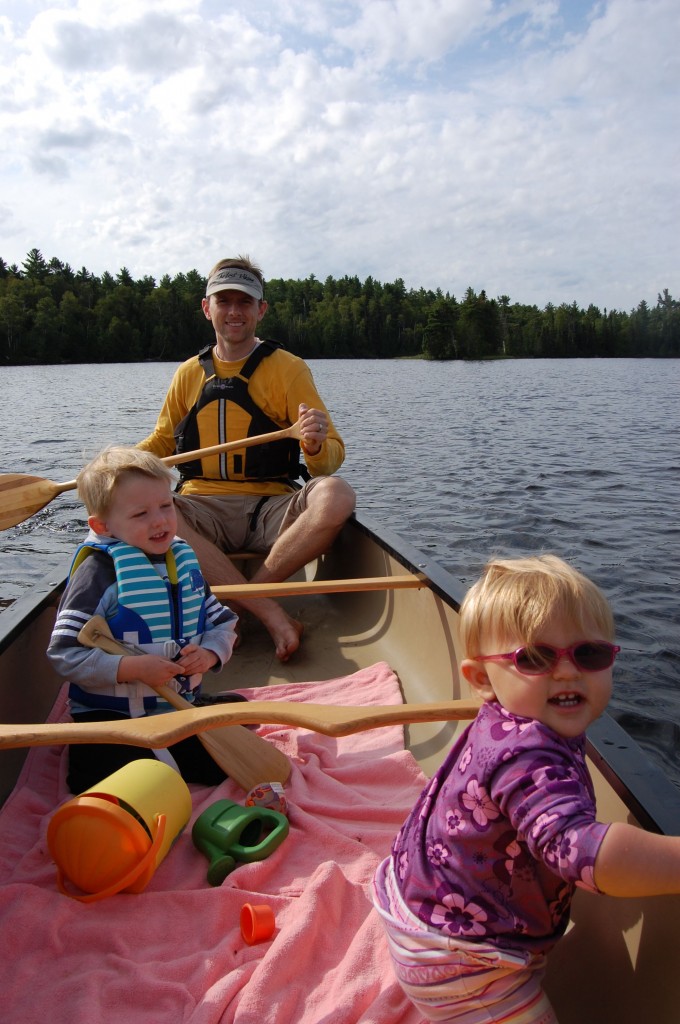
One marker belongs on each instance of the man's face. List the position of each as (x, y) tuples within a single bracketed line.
[(234, 315)]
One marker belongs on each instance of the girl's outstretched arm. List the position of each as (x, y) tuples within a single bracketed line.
[(632, 862)]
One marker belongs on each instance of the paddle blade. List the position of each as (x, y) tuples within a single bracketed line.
[(21, 496), (246, 758)]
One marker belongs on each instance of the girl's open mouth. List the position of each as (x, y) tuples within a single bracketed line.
[(566, 700)]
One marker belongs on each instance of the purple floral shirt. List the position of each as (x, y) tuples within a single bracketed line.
[(501, 835)]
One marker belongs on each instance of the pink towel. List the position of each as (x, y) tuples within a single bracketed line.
[(174, 953)]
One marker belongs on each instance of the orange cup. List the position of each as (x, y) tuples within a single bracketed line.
[(257, 923)]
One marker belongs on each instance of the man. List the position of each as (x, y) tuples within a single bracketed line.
[(246, 500)]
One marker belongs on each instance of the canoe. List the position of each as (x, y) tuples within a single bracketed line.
[(620, 958)]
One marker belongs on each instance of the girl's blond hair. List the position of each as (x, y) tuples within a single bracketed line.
[(97, 481), (515, 597)]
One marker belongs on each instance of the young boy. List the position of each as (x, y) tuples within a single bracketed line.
[(147, 584), (479, 884)]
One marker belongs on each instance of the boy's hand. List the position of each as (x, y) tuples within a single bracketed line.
[(195, 660), (150, 669)]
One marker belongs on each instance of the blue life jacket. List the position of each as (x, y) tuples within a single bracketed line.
[(151, 610)]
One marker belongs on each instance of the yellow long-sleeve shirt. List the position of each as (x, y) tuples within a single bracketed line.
[(279, 384)]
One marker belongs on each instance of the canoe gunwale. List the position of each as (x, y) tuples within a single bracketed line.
[(650, 796), (44, 594), (440, 581)]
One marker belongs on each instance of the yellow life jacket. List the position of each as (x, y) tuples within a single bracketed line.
[(225, 411)]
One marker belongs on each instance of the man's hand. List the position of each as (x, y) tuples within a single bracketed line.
[(313, 428)]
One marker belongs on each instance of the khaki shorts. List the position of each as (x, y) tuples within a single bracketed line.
[(235, 522)]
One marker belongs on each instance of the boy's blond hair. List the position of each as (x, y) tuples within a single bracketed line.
[(97, 481), (515, 597)]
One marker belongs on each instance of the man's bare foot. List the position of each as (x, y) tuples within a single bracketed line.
[(285, 631), (286, 636)]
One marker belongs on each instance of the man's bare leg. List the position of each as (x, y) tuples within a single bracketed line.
[(330, 504), (218, 569)]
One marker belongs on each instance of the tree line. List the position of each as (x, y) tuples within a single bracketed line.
[(50, 313)]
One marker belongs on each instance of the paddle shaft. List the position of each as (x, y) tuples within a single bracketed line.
[(295, 588), (21, 496), (293, 431), (198, 453), (164, 730), (246, 758)]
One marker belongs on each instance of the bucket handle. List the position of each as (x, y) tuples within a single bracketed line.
[(127, 880)]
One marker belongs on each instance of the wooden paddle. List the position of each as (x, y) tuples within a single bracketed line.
[(163, 730), (246, 758), (293, 588), (21, 496)]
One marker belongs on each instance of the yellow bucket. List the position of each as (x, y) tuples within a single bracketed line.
[(113, 836)]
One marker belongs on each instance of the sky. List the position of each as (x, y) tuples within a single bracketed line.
[(530, 148)]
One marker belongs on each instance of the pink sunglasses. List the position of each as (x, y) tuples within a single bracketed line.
[(541, 659)]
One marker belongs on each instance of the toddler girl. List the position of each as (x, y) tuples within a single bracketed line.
[(479, 884)]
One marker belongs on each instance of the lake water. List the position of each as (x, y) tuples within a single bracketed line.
[(579, 457)]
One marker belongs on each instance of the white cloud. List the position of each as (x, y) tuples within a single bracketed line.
[(526, 148), (399, 31)]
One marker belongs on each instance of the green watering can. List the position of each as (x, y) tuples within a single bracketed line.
[(229, 834)]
